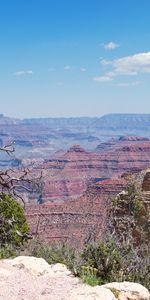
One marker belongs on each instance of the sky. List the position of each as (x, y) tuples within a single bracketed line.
[(64, 58)]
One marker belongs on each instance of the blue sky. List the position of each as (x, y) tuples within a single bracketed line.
[(74, 57)]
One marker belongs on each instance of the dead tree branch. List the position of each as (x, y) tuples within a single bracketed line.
[(16, 182)]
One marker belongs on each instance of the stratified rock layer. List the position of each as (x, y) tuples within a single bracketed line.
[(69, 175), (76, 221), (86, 219)]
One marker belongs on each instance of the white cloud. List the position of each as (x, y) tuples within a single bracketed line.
[(111, 46), (123, 84), (128, 84), (83, 69), (67, 68), (23, 72), (30, 72), (132, 65), (135, 83), (19, 73), (104, 78)]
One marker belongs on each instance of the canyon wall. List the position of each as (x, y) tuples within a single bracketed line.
[(76, 221)]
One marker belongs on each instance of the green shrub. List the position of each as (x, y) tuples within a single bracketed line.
[(13, 225), (99, 263), (135, 263), (89, 275), (57, 253), (8, 251), (118, 262), (90, 279), (104, 257)]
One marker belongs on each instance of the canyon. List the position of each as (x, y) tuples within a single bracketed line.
[(42, 137), (85, 162), (77, 199), (69, 174)]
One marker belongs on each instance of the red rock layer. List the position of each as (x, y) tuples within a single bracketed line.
[(70, 174), (75, 222)]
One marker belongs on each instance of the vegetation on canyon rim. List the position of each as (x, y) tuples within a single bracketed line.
[(14, 228), (101, 262), (123, 255)]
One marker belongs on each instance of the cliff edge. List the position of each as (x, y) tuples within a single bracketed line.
[(33, 278)]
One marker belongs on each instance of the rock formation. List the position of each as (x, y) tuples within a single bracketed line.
[(86, 219), (33, 278), (69, 175), (75, 222), (41, 137), (131, 209)]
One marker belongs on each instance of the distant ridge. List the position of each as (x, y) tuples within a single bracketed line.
[(4, 120), (113, 118), (123, 121), (89, 128)]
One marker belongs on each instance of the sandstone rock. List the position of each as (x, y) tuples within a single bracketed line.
[(19, 280), (129, 290), (37, 266), (92, 293), (4, 272), (60, 268)]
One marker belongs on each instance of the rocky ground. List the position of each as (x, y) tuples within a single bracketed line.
[(29, 278)]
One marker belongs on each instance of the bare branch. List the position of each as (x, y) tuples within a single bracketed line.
[(16, 182), (9, 149)]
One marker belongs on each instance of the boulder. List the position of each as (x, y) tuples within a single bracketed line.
[(128, 290), (27, 277), (38, 266), (92, 293)]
